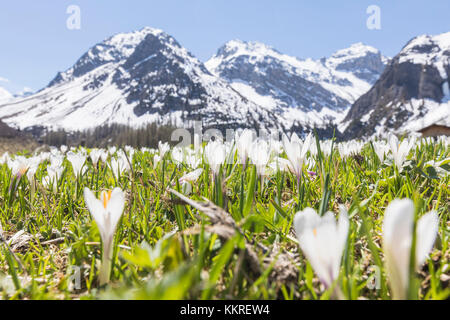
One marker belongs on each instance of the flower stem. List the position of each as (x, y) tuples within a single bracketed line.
[(105, 269)]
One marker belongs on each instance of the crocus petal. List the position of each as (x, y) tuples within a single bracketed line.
[(306, 145), (343, 227), (427, 230), (393, 143), (304, 220), (191, 176), (115, 207), (322, 241), (397, 238), (97, 211)]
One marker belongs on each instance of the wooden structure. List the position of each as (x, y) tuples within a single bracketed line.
[(435, 130)]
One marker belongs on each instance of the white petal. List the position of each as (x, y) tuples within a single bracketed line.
[(397, 238), (398, 220), (97, 211), (306, 219), (115, 208), (321, 242), (427, 230), (393, 143), (343, 227)]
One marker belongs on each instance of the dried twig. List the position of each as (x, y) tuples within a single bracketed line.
[(222, 223)]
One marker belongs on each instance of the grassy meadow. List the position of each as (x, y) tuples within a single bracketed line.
[(239, 220)]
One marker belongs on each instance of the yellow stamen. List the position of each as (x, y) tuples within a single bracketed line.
[(315, 232), (105, 197), (23, 170)]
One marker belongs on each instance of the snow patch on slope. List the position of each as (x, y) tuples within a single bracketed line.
[(426, 113), (5, 96)]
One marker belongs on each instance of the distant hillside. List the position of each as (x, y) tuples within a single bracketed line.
[(13, 141)]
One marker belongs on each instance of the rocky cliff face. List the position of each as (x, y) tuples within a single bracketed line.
[(412, 88), (364, 62)]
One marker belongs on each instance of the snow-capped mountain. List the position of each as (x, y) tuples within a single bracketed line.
[(147, 76), (412, 93), (313, 93), (25, 92), (5, 96), (136, 78)]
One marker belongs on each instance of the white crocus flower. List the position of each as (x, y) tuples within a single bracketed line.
[(296, 152), (350, 148), (259, 155), (192, 176), (156, 160), (52, 178), (104, 155), (56, 160), (54, 172), (276, 147), (47, 182), (43, 156), (177, 154), (323, 241), (399, 150), (325, 147), (119, 165), (19, 166), (437, 166), (230, 152), (215, 154), (33, 166), (244, 142), (163, 149), (397, 240), (193, 160), (281, 164), (381, 149), (112, 150), (189, 178), (106, 212), (5, 158), (77, 160), (95, 156)]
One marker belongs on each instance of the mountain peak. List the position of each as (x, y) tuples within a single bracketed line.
[(429, 50), (236, 48), (239, 49), (113, 49), (364, 61), (354, 52), (358, 48), (127, 41), (442, 40), (411, 93), (247, 46)]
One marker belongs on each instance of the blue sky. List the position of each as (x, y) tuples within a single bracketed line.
[(35, 42)]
